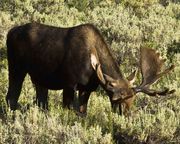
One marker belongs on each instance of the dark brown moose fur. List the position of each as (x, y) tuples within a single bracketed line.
[(72, 59), (57, 58)]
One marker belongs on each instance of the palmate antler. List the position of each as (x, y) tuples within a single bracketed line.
[(150, 66)]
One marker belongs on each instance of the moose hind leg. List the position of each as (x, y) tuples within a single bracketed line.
[(41, 97), (14, 89)]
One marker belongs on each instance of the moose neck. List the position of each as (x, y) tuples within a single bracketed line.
[(108, 64)]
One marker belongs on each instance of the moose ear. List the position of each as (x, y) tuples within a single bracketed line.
[(96, 66), (106, 80), (111, 84), (132, 77), (110, 79), (100, 74), (94, 61)]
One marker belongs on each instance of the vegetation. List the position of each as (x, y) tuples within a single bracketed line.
[(126, 26)]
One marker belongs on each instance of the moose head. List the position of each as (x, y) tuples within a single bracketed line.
[(122, 92)]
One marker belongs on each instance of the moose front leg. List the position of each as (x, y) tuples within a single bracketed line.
[(83, 100), (116, 107), (68, 97), (122, 107)]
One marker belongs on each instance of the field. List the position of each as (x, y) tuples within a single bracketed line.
[(126, 26)]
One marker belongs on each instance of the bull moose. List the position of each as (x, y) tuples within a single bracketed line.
[(73, 59)]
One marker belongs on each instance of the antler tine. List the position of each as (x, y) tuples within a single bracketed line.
[(164, 92), (155, 92), (150, 66)]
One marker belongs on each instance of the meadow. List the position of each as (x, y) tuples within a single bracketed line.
[(126, 26)]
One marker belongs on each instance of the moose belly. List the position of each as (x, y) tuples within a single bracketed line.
[(50, 81)]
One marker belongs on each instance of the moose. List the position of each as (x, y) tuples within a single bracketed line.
[(74, 59)]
